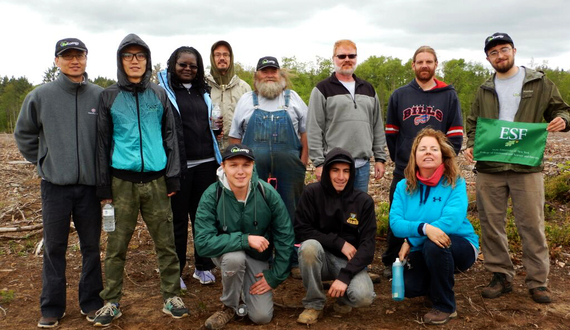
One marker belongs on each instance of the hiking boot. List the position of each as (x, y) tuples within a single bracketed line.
[(204, 276), (175, 307), (438, 317), (90, 316), (309, 316), (49, 322), (497, 286), (341, 308), (219, 319), (541, 295), (183, 285), (296, 273), (387, 273), (106, 314)]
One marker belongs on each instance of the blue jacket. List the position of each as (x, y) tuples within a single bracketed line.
[(440, 206), (164, 82)]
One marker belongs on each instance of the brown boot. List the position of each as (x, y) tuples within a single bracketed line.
[(309, 316), (541, 295), (219, 319), (497, 286), (436, 316)]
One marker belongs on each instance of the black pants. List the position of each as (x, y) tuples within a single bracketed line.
[(394, 243), (185, 203), (59, 205)]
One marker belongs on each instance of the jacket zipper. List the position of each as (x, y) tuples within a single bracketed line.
[(77, 132), (140, 130)]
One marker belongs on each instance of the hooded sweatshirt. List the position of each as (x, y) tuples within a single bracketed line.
[(137, 139), (224, 224), (226, 89), (333, 218)]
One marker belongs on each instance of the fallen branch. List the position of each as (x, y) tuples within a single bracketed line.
[(39, 247), (18, 229)]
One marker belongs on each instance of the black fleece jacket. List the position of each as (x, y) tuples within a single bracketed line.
[(334, 218)]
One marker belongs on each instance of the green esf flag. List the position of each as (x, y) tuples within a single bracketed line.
[(510, 142)]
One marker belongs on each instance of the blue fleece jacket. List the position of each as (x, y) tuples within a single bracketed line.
[(441, 206)]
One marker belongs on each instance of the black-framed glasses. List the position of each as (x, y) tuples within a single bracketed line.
[(184, 65), (69, 57), (343, 56), (129, 56)]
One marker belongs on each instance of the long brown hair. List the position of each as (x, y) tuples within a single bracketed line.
[(451, 172)]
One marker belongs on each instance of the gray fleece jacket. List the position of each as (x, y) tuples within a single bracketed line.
[(56, 130)]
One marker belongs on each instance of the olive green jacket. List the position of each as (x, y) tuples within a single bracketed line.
[(539, 99)]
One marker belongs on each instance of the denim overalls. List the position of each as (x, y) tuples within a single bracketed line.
[(277, 151)]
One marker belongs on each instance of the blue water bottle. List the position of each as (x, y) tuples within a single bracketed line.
[(398, 280)]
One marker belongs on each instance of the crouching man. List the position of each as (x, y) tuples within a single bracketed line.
[(240, 221), (337, 225)]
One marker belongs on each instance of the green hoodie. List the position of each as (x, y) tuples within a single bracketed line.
[(539, 99), (239, 220)]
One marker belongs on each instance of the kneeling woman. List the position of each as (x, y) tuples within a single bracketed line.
[(429, 210)]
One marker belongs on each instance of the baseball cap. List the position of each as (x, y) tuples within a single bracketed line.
[(266, 62), (497, 38), (69, 43), (238, 149)]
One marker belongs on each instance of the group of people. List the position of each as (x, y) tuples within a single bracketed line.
[(157, 150)]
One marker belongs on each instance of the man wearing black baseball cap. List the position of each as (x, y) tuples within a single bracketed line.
[(241, 223), (57, 124), (515, 94), (336, 224)]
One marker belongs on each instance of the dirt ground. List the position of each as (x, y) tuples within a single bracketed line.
[(20, 274)]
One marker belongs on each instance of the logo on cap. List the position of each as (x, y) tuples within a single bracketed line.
[(67, 43), (491, 38), (268, 61), (236, 149)]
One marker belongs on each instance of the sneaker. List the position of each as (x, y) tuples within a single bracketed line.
[(182, 285), (342, 308), (296, 273), (438, 317), (204, 276), (90, 316), (309, 316), (175, 307), (387, 273), (49, 322), (106, 314), (219, 319), (541, 295), (497, 286)]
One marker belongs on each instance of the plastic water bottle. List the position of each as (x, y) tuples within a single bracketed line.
[(398, 280), (216, 113), (108, 217), (241, 310)]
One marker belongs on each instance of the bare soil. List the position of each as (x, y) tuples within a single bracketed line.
[(20, 274)]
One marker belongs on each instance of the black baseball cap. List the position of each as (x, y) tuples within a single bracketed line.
[(267, 62), (238, 149), (496, 39), (69, 43)]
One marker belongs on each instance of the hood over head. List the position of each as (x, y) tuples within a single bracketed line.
[(337, 155), (123, 81), (218, 77)]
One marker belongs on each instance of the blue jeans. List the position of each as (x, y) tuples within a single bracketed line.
[(432, 271), (361, 177), (60, 204), (317, 265)]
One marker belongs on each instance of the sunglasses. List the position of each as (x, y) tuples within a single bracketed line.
[(343, 56), (184, 65)]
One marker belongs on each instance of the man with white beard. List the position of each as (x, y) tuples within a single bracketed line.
[(344, 112), (277, 133)]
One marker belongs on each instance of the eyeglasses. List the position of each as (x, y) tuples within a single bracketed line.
[(343, 56), (504, 51), (69, 57), (129, 56), (184, 65), (218, 55)]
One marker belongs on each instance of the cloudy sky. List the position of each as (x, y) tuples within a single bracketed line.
[(301, 28)]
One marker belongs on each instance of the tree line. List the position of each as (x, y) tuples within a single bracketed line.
[(385, 73)]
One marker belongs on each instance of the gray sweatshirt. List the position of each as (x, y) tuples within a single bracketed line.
[(56, 130)]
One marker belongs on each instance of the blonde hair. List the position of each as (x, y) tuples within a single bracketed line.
[(424, 49), (451, 172), (343, 43)]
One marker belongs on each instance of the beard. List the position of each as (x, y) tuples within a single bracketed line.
[(270, 89), (423, 77), (344, 72), (504, 66)]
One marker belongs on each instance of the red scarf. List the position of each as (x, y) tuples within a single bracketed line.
[(433, 180)]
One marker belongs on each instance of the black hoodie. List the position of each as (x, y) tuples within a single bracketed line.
[(334, 218)]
